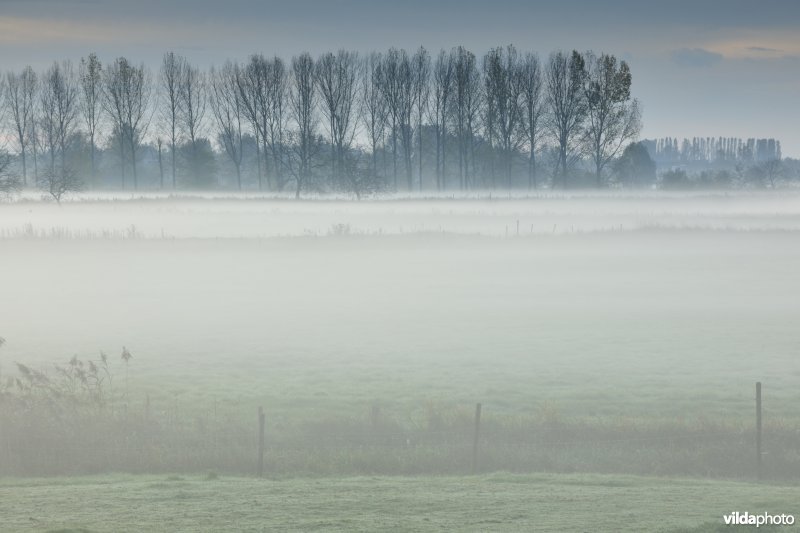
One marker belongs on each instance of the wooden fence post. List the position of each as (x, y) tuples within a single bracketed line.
[(758, 430), (476, 437), (260, 442)]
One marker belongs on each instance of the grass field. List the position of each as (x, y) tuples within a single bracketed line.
[(497, 502)]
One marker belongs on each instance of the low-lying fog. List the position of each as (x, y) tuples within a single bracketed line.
[(219, 215), (450, 310)]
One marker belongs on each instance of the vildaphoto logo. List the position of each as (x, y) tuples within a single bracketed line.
[(764, 519)]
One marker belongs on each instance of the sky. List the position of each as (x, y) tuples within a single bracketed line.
[(700, 68)]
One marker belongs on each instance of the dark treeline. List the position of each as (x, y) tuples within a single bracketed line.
[(670, 150), (720, 162), (396, 120)]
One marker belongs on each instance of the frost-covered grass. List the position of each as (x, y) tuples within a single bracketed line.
[(499, 502)]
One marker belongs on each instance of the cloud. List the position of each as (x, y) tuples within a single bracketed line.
[(20, 30), (55, 33), (763, 49), (695, 57)]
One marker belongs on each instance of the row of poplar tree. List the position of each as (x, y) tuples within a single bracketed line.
[(394, 120)]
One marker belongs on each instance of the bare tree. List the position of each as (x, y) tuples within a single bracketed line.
[(566, 101), (533, 110), (48, 119), (768, 172), (440, 106), (398, 90), (160, 147), (465, 105), (252, 83), (505, 87), (405, 89), (373, 106), (127, 92), (114, 106), (277, 91), (303, 101), (91, 90), (473, 106), (34, 135), (172, 67), (613, 119), (20, 100), (263, 87), (137, 98), (61, 181), (226, 107), (389, 81), (336, 80), (421, 63), (489, 116), (257, 144), (59, 105), (357, 175), (9, 182), (192, 109)]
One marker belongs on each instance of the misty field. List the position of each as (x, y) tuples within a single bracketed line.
[(618, 333)]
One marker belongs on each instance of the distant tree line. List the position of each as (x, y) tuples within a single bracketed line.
[(394, 120), (770, 173), (722, 162), (670, 150)]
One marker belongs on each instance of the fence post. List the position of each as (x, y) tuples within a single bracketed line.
[(476, 437), (260, 442), (758, 430)]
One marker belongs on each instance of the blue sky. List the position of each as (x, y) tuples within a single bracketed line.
[(701, 68)]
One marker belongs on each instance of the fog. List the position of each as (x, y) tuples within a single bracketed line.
[(407, 300), (616, 333), (221, 215)]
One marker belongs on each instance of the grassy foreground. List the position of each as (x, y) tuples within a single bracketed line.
[(542, 502)]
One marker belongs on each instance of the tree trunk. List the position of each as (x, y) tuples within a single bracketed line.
[(174, 181), (532, 170), (122, 161), (419, 155), (374, 158), (258, 162), (444, 159), (394, 151), (94, 180), (24, 168), (160, 166), (438, 157), (266, 166)]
